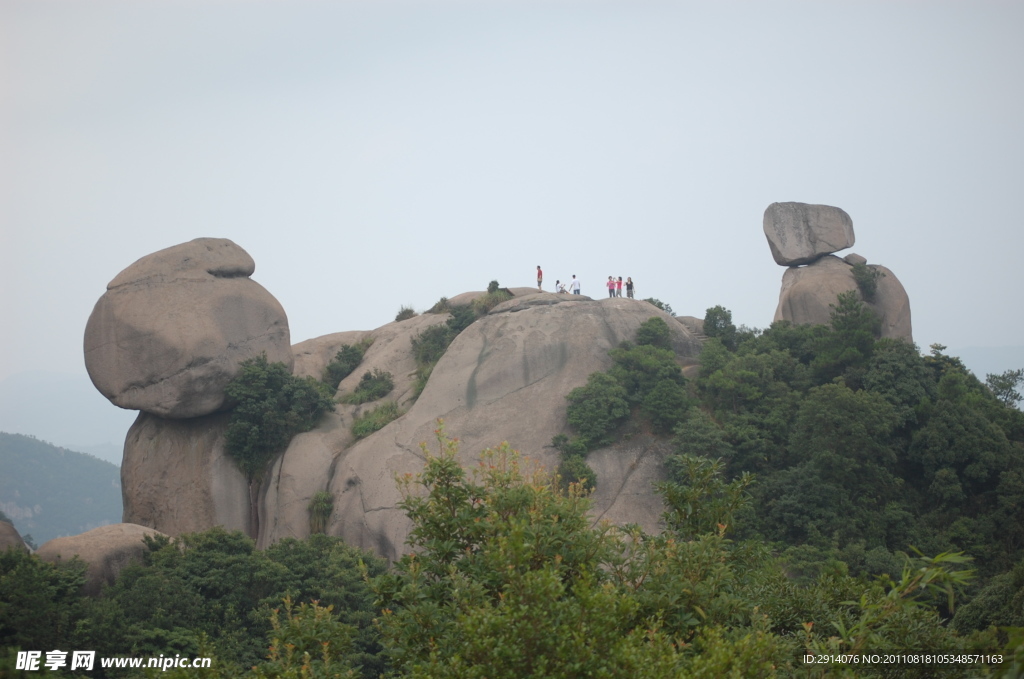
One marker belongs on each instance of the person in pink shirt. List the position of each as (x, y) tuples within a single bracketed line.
[(618, 287), (611, 286)]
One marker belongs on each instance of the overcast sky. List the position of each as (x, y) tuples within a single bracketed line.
[(375, 154)]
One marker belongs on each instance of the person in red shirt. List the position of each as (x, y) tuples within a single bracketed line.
[(540, 277), (618, 287)]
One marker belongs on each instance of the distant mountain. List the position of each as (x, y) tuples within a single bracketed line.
[(66, 409), (48, 491)]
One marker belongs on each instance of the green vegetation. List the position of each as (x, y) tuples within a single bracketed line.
[(405, 313), (667, 308), (345, 362), (49, 491), (372, 386), (867, 280), (375, 420), (509, 579), (441, 306), (205, 594), (808, 466), (429, 345), (320, 507), (271, 407)]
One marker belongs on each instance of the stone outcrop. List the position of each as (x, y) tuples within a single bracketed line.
[(808, 291), (106, 550), (799, 233), (523, 359), (10, 538), (177, 478), (168, 334)]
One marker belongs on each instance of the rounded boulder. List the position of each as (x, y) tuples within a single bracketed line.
[(170, 331), (106, 550)]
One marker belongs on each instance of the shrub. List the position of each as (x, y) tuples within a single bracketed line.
[(441, 306), (654, 332), (272, 407), (375, 420), (320, 507), (429, 344), (667, 308), (569, 446), (372, 386), (597, 408), (344, 362), (574, 469), (482, 305), (405, 313), (867, 280), (462, 318), (718, 323), (492, 287), (667, 405)]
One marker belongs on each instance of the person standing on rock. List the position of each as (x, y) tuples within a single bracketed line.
[(611, 286), (540, 277), (575, 285), (618, 287), (629, 287)]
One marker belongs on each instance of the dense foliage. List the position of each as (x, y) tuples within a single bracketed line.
[(206, 594), (376, 419), (345, 362), (510, 578), (372, 386), (272, 406)]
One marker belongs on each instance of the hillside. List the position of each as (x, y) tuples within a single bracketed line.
[(48, 491)]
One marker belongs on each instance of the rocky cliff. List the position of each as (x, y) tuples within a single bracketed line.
[(503, 378)]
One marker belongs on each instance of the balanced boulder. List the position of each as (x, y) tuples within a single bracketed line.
[(808, 291), (799, 233), (171, 329)]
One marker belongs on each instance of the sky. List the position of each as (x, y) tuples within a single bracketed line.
[(370, 155)]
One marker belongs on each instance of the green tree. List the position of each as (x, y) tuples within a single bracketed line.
[(848, 347), (597, 409), (718, 323), (345, 362), (654, 332), (1004, 386), (506, 580)]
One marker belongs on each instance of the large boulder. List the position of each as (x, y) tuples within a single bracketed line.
[(808, 291), (505, 378), (177, 478), (168, 334), (799, 233), (10, 538), (106, 550)]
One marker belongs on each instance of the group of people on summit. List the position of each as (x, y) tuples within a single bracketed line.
[(614, 285)]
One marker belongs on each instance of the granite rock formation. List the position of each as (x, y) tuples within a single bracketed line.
[(168, 334), (802, 234), (808, 291), (10, 538), (106, 550), (799, 233)]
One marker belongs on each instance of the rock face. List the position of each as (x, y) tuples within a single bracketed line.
[(808, 291), (10, 538), (176, 477), (107, 550), (504, 378), (170, 331), (799, 233)]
